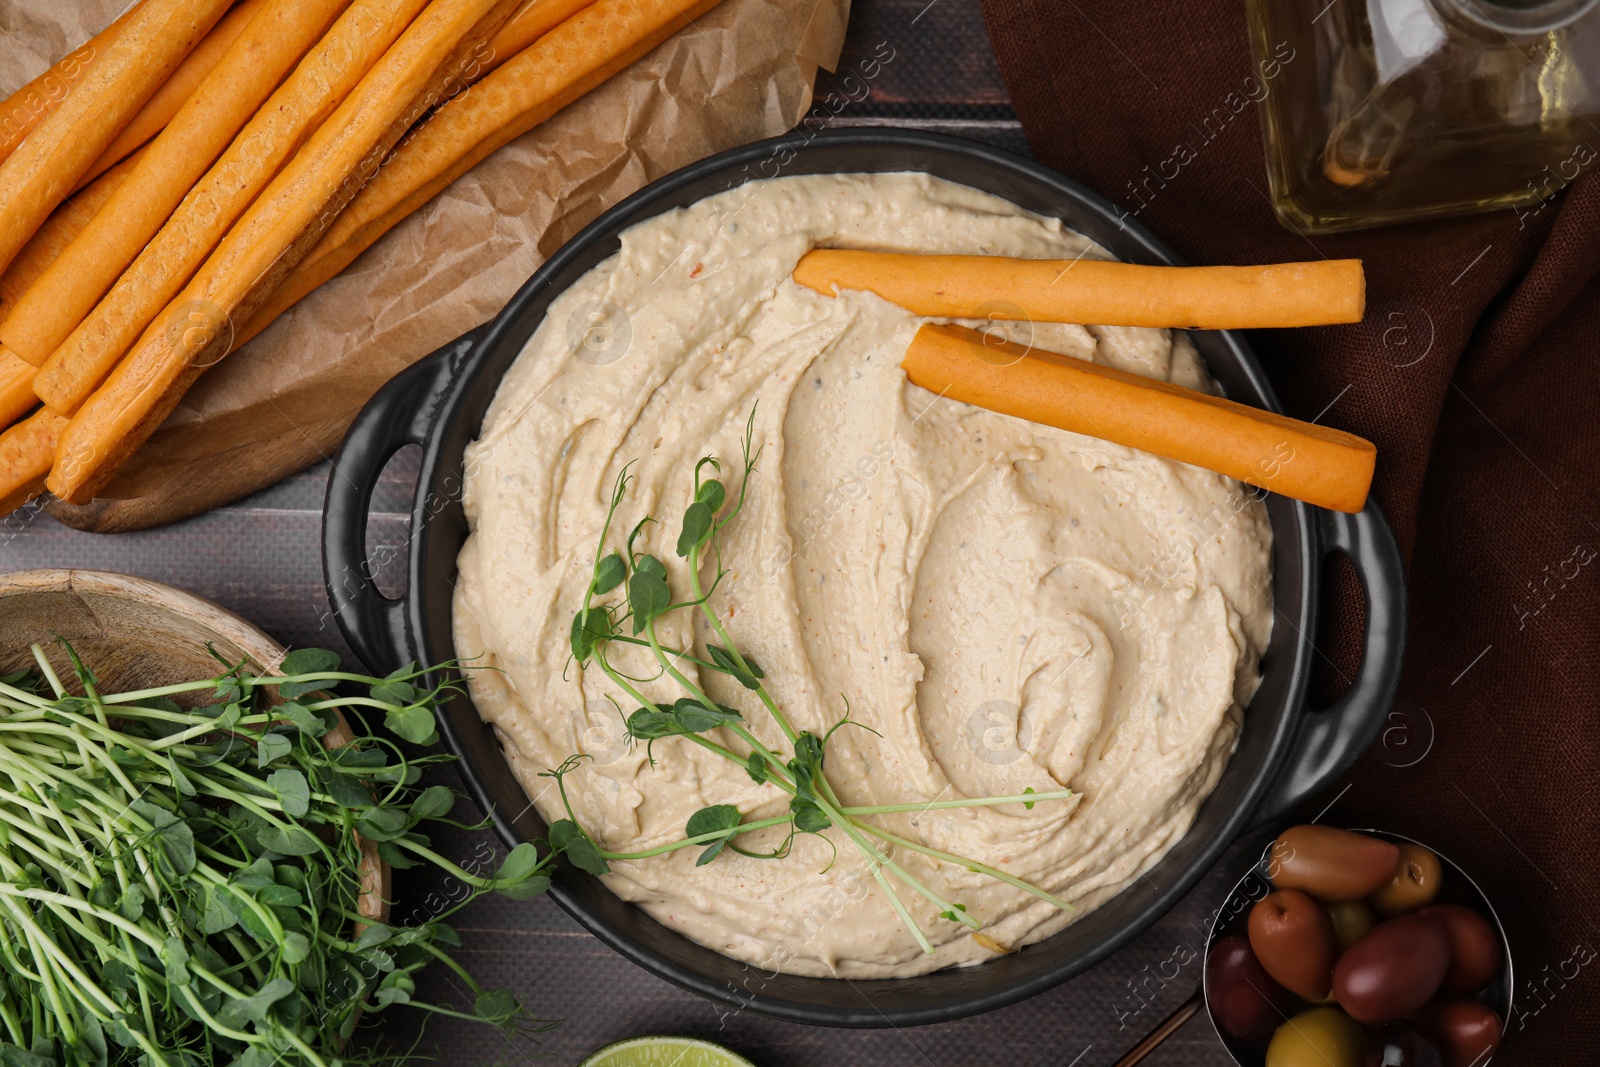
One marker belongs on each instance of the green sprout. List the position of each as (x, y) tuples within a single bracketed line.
[(629, 592)]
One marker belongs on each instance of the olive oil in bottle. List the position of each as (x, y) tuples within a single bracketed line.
[(1394, 110)]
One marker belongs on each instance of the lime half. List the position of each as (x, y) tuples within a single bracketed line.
[(665, 1052)]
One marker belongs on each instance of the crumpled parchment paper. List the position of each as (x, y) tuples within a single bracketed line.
[(282, 402)]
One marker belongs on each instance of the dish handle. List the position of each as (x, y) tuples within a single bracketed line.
[(1329, 741), (401, 413)]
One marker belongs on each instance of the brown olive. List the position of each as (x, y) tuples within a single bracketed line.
[(1351, 921), (1470, 1031), (1331, 864), (1394, 970), (1474, 948), (1415, 882), (1321, 1037), (1293, 938)]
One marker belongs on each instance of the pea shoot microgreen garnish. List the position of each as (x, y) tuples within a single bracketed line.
[(183, 886), (629, 593)]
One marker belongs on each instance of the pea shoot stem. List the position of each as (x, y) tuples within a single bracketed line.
[(646, 597)]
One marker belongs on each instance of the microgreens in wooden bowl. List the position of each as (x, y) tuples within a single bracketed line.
[(203, 884)]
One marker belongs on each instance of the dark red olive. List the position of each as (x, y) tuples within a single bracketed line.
[(1245, 1001), (1470, 1031), (1395, 969), (1331, 864), (1474, 948), (1293, 938), (1402, 1044)]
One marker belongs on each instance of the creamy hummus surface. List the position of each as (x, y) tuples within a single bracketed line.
[(1003, 604)]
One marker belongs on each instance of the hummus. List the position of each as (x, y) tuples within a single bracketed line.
[(1005, 605)]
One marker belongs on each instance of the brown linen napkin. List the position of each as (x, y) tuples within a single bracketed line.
[(1477, 373)]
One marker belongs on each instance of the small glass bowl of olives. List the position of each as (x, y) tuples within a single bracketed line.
[(1357, 948)]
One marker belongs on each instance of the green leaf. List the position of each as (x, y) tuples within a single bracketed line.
[(271, 748), (522, 862), (697, 523), (415, 724), (131, 906), (291, 789), (280, 896), (374, 935), (219, 915), (289, 841), (395, 856), (808, 750), (399, 774), (567, 838), (382, 824), (757, 766), (497, 1007), (306, 661), (808, 817), (652, 724), (609, 573), (1028, 804), (358, 756), (346, 791), (712, 494), (117, 976), (717, 818), (433, 802), (253, 1009), (651, 565), (16, 1056), (394, 692), (589, 627), (747, 678), (174, 839), (175, 958), (295, 948), (695, 718), (396, 988), (309, 722), (648, 596), (526, 890)]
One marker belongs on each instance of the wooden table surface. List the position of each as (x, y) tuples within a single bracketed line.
[(261, 559)]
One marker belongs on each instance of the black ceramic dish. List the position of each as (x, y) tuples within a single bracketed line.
[(1286, 752), (1456, 888)]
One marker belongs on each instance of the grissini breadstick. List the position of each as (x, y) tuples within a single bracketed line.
[(26, 453), (1302, 460), (259, 58), (1097, 292), (272, 236), (17, 397), (579, 54), (29, 105), (301, 105), (59, 231), (16, 389), (532, 21), (47, 166), (168, 100)]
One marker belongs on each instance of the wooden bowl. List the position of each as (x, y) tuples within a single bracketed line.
[(138, 634)]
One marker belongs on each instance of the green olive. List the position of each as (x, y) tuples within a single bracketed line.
[(1415, 883), (1351, 921), (1321, 1037)]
